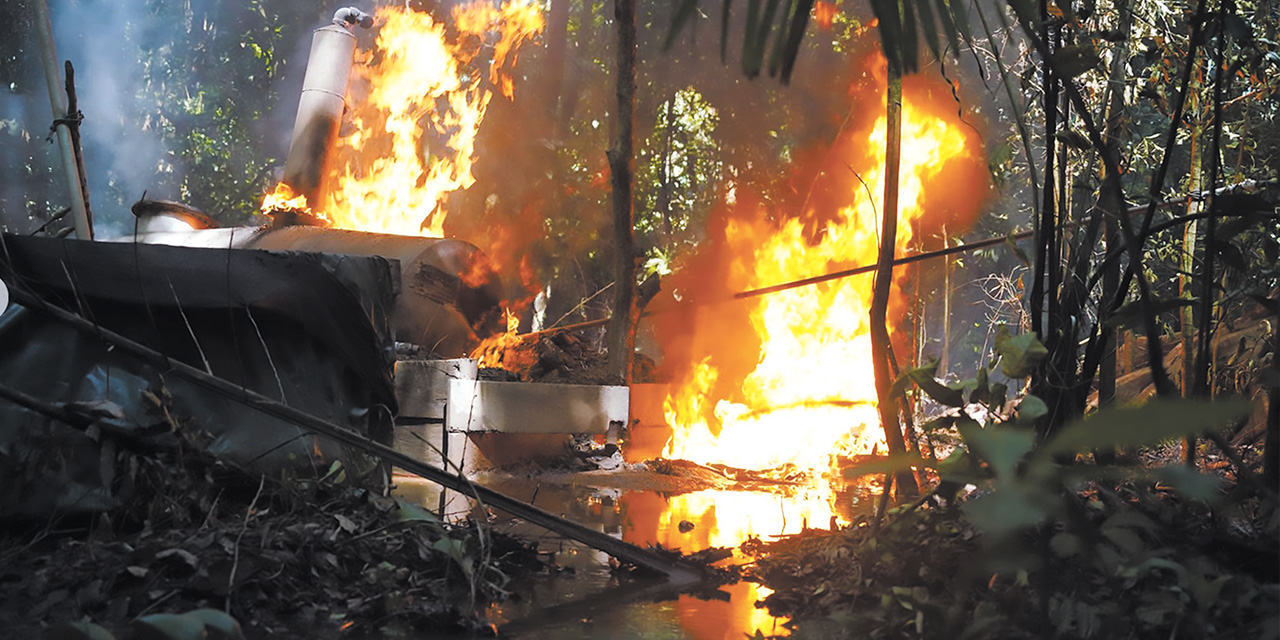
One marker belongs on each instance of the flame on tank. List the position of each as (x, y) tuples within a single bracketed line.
[(416, 103)]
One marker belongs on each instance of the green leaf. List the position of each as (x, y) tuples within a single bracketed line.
[(1020, 355), (1124, 539), (1031, 409), (938, 424), (1065, 545), (1191, 483), (167, 626), (930, 28), (999, 395), (910, 43), (893, 463), (1157, 421), (1073, 60), (1206, 592), (957, 464), (456, 551), (410, 512), (76, 631), (923, 377), (981, 388), (1005, 511), (1130, 315), (890, 28), (949, 25), (790, 36), (336, 473), (1001, 447), (1130, 519)]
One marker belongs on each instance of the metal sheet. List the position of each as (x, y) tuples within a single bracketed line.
[(520, 407), (422, 386)]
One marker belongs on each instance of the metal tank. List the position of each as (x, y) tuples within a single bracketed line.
[(449, 297)]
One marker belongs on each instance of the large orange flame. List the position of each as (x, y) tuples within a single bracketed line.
[(810, 393), (416, 108)]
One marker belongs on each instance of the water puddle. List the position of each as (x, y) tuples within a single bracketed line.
[(585, 600)]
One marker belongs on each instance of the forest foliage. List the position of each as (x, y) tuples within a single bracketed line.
[(1136, 139)]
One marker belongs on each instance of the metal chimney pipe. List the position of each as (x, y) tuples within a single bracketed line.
[(320, 107)]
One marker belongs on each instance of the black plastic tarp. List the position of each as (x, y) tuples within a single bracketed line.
[(307, 329)]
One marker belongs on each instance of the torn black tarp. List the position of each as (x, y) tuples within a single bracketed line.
[(308, 329)]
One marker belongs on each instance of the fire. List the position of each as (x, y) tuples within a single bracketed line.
[(416, 108), (503, 350), (810, 391), (284, 199)]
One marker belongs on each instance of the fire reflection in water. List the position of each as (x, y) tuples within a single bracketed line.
[(717, 518)]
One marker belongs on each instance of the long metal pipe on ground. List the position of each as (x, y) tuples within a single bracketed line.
[(57, 102), (676, 570)]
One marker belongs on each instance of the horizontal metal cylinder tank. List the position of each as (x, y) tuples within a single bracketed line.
[(449, 296)]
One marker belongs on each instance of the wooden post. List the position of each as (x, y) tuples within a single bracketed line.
[(72, 122)]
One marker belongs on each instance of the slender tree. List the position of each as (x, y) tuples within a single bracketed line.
[(622, 331), (887, 406)]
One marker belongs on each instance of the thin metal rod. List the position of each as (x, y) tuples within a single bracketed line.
[(675, 569), (919, 257)]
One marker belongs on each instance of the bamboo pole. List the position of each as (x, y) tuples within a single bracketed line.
[(49, 60)]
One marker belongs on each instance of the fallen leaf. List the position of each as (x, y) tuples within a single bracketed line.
[(346, 523)]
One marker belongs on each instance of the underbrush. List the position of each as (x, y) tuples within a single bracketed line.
[(278, 555), (1136, 562)]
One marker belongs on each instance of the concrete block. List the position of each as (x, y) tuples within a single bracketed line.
[(522, 407), (422, 386)]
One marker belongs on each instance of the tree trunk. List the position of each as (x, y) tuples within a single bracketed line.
[(944, 355), (1043, 284), (1114, 205), (887, 407), (1046, 309), (622, 330), (665, 186), (1185, 286), (557, 40), (1271, 446), (1204, 330), (571, 90)]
